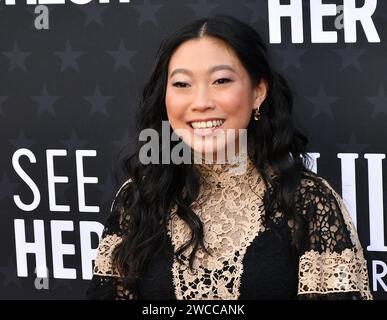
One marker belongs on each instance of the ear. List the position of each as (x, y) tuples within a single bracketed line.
[(260, 92)]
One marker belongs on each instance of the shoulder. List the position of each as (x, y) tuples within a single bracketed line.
[(115, 222), (112, 235), (312, 183), (120, 191), (316, 191), (328, 222)]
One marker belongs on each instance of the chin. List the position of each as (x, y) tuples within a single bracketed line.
[(208, 151)]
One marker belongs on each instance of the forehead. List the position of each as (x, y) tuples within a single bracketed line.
[(201, 53)]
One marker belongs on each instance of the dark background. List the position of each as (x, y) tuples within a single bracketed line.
[(74, 87)]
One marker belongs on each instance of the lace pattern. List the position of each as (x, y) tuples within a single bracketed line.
[(230, 207), (107, 282), (103, 262), (330, 272), (334, 261)]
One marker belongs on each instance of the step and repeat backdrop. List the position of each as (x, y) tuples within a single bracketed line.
[(70, 74)]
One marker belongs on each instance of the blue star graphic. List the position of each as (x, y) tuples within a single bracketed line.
[(7, 187), (202, 8), (122, 57), (379, 102), (17, 57), (45, 102), (98, 102), (322, 102), (291, 56), (350, 57), (21, 141), (147, 12), (74, 142), (10, 275), (69, 57), (93, 12), (353, 145)]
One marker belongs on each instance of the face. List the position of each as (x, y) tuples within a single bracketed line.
[(209, 95)]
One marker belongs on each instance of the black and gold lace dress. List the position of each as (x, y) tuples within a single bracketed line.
[(248, 259)]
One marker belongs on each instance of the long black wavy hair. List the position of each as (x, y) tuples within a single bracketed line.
[(274, 145)]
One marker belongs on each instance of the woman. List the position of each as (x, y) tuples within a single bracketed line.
[(275, 230)]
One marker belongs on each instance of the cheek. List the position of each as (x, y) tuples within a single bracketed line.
[(175, 109), (237, 103)]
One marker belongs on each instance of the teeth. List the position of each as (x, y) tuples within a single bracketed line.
[(207, 124)]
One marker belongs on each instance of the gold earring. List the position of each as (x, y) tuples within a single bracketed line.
[(257, 115)]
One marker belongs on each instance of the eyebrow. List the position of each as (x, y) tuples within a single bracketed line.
[(209, 71)]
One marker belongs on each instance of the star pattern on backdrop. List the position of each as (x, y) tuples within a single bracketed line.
[(322, 103), (122, 57), (85, 53), (7, 187), (291, 56), (93, 13), (22, 141), (45, 102), (10, 275), (350, 57), (69, 57), (202, 8), (16, 57), (98, 102), (379, 102), (352, 146), (74, 142), (147, 11), (31, 8)]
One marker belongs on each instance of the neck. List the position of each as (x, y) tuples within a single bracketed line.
[(236, 165)]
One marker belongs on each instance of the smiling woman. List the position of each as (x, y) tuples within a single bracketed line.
[(209, 91), (275, 230)]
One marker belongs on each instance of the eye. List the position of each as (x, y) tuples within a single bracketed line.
[(180, 84), (223, 80)]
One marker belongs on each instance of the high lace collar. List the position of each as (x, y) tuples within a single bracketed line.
[(220, 171)]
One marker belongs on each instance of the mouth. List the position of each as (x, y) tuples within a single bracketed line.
[(205, 128)]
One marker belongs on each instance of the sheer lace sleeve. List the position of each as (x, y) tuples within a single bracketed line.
[(331, 264), (107, 282)]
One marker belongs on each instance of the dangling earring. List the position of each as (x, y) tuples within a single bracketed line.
[(257, 115)]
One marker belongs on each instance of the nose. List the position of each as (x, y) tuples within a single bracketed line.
[(202, 99)]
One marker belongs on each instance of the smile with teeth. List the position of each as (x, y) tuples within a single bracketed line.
[(207, 124)]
